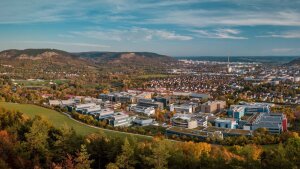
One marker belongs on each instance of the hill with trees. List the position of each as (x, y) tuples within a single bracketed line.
[(42, 63), (84, 58), (295, 62)]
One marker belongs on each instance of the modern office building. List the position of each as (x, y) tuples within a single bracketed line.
[(142, 122), (143, 110), (213, 106), (120, 119), (275, 123), (238, 111), (81, 107), (91, 110), (150, 103), (164, 100), (103, 114), (183, 108), (184, 121), (66, 103), (122, 97), (226, 123)]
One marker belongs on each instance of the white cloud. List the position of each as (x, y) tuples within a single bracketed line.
[(203, 18), (256, 12), (219, 34), (65, 44), (287, 35), (170, 35), (132, 34), (282, 50)]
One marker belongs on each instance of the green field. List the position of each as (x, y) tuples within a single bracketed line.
[(58, 120), (39, 82)]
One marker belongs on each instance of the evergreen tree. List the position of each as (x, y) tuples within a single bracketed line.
[(126, 159), (159, 157), (82, 160), (36, 145)]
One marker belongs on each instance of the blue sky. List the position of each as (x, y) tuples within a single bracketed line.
[(172, 27)]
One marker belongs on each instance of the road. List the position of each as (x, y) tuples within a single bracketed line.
[(113, 131)]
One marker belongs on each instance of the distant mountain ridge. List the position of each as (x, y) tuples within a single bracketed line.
[(14, 53), (295, 62), (31, 53), (63, 58), (124, 57)]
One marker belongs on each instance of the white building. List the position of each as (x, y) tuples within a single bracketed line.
[(184, 108), (81, 107), (144, 110)]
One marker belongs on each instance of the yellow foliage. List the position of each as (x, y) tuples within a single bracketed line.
[(220, 151), (195, 150)]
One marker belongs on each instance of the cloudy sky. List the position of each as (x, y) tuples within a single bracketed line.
[(172, 27)]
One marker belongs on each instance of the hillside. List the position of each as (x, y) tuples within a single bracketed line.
[(35, 62), (42, 63), (124, 57), (43, 55), (295, 62), (62, 57), (60, 120)]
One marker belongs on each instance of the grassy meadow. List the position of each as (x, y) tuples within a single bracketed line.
[(59, 120)]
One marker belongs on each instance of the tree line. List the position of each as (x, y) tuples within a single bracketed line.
[(35, 143)]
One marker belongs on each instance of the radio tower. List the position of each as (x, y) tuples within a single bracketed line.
[(229, 69)]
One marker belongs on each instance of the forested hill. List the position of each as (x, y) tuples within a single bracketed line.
[(33, 63), (95, 57), (143, 58), (295, 62), (39, 57)]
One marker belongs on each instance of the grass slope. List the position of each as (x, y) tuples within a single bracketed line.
[(58, 119)]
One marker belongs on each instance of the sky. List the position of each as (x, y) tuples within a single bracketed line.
[(170, 27)]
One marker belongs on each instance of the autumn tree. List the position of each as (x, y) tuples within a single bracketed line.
[(36, 144), (159, 157), (82, 160), (126, 159)]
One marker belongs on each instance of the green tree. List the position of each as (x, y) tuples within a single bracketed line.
[(159, 157), (66, 142), (82, 160), (292, 149), (126, 159), (36, 140)]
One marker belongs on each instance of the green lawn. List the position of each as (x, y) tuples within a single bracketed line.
[(58, 119), (40, 82)]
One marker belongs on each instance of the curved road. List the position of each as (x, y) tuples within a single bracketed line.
[(140, 135)]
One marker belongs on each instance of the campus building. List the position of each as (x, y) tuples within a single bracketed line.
[(120, 119), (213, 106), (150, 103), (238, 111), (143, 110), (183, 108), (81, 107), (226, 123), (184, 121), (275, 123)]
